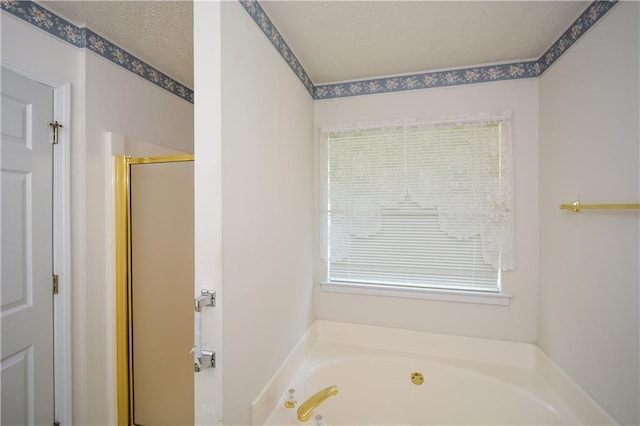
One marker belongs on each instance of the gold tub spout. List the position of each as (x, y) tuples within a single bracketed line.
[(307, 408)]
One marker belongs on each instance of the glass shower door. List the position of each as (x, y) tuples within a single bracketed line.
[(160, 292)]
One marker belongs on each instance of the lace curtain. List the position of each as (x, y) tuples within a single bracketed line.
[(461, 169)]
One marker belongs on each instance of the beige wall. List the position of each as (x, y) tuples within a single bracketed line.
[(267, 210), (588, 316), (514, 322), (104, 98)]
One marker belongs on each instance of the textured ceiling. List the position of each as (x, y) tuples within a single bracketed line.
[(344, 40), (158, 32), (347, 40)]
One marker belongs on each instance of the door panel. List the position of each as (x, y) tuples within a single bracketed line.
[(17, 370), (17, 281), (27, 252)]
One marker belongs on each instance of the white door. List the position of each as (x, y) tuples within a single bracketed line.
[(27, 252)]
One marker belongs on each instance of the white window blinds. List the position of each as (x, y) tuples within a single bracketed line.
[(420, 205)]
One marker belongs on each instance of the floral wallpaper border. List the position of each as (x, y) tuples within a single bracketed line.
[(83, 37), (33, 13), (428, 80), (580, 26), (259, 16)]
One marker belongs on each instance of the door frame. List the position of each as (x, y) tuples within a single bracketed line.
[(62, 370), (124, 355)]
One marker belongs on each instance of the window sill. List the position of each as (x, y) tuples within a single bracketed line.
[(462, 296)]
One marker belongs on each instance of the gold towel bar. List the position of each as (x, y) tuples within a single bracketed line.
[(576, 206)]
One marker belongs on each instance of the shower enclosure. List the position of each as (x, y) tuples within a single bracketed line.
[(154, 285)]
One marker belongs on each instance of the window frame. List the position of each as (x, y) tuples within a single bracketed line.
[(495, 296)]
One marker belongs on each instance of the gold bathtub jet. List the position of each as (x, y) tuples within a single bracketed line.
[(307, 408)]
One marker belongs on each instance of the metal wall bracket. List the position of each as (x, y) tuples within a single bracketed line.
[(208, 360), (202, 358), (206, 298)]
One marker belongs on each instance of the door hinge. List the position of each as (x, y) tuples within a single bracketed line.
[(55, 125), (55, 284), (56, 423)]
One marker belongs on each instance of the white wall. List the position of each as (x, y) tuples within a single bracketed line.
[(208, 202), (104, 98), (117, 101), (514, 322), (267, 210), (588, 308)]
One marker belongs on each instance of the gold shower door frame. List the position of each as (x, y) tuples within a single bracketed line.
[(124, 335)]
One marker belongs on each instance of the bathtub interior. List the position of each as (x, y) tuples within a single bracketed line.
[(376, 388), (466, 381)]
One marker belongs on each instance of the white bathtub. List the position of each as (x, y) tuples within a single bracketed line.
[(466, 381)]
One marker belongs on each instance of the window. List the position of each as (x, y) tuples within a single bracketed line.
[(423, 206)]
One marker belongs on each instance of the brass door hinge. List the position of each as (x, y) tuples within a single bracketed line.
[(55, 126), (55, 284)]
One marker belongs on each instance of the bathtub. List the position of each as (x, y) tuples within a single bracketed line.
[(465, 381)]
